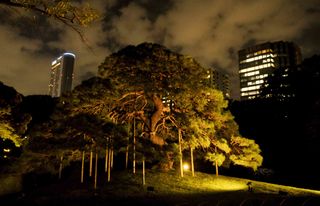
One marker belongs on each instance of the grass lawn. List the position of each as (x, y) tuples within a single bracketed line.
[(162, 188)]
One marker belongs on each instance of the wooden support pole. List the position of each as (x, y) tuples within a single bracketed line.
[(109, 165), (106, 160), (143, 172), (82, 166), (60, 167), (192, 165), (111, 158), (134, 147), (90, 163), (96, 171), (127, 156), (180, 152), (216, 163)]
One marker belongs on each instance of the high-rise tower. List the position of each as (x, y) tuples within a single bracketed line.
[(61, 75), (220, 81), (258, 62)]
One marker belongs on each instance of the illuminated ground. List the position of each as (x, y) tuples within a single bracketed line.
[(163, 189)]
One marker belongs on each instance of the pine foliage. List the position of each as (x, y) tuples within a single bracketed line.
[(245, 152)]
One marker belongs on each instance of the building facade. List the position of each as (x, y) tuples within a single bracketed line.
[(258, 62), (61, 75), (219, 81)]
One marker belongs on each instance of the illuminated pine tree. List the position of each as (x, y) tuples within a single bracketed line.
[(13, 123), (245, 152), (147, 80), (7, 132)]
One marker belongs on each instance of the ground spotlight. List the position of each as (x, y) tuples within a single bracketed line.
[(186, 167)]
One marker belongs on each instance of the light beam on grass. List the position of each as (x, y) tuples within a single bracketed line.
[(225, 184)]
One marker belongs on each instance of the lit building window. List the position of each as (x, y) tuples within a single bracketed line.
[(258, 67), (251, 74), (251, 88)]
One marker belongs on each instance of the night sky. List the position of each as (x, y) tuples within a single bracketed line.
[(211, 31)]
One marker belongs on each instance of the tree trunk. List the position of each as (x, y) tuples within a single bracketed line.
[(96, 171), (156, 116), (180, 153), (82, 167), (192, 165), (90, 163)]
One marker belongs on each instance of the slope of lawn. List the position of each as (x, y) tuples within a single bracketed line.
[(161, 188)]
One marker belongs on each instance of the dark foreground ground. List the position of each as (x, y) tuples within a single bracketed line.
[(201, 199)]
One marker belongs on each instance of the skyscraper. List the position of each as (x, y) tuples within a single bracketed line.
[(258, 62), (219, 81), (61, 75)]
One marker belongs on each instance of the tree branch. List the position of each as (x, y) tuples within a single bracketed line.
[(66, 17)]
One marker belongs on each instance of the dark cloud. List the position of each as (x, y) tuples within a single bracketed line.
[(210, 31), (309, 40), (213, 31), (156, 8), (30, 26)]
